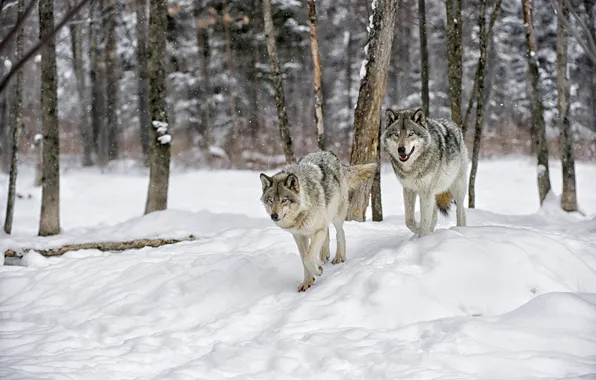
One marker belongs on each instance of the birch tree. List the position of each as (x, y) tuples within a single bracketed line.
[(367, 115), (316, 59)]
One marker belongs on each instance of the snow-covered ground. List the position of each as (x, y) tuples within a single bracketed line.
[(511, 296)]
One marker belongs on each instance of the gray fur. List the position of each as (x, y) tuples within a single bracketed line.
[(305, 197), (435, 161)]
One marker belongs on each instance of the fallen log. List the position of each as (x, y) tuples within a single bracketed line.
[(102, 246)]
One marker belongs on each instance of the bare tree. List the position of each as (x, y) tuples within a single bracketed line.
[(376, 199), (232, 97), (569, 195), (316, 59), (143, 75), (16, 128), (159, 156), (424, 64), (110, 11), (539, 132), (205, 55), (590, 6), (454, 56), (280, 101), (367, 115), (484, 36), (49, 223)]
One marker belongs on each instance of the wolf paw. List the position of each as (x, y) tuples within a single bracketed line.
[(413, 227), (306, 285), (338, 259), (325, 257)]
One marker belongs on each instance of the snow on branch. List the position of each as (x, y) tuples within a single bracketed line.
[(161, 128)]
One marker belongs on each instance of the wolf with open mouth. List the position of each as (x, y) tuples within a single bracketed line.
[(430, 159)]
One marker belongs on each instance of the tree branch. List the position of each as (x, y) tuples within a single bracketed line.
[(17, 26), (588, 46), (70, 14)]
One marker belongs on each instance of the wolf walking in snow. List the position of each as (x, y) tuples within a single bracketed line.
[(430, 159), (305, 197)]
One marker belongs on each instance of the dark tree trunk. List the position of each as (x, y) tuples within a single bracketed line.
[(143, 75), (203, 41), (376, 200), (538, 128), (367, 115), (78, 67), (424, 64), (454, 56), (159, 156), (280, 102), (569, 195), (111, 70), (232, 97), (49, 223), (316, 58), (16, 128), (96, 73), (254, 117), (590, 4)]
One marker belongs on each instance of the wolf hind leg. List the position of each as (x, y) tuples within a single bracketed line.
[(458, 189), (325, 252), (340, 254)]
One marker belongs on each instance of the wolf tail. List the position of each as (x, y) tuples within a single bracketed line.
[(444, 201), (359, 173)]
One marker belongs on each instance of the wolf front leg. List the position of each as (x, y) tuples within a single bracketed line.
[(311, 260), (426, 213), (325, 253), (410, 206), (340, 254), (302, 244)]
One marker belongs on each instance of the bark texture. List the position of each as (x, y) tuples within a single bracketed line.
[(590, 6), (102, 246), (97, 78), (538, 128), (454, 56), (367, 115), (111, 71), (205, 55), (316, 59), (376, 199), (280, 102), (424, 64), (16, 119), (143, 77), (49, 223), (569, 195), (159, 156)]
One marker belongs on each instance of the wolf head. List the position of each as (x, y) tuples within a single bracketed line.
[(405, 134), (281, 195)]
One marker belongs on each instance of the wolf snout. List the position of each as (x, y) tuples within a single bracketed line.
[(275, 217), (401, 150)]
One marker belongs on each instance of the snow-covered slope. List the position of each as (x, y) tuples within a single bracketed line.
[(511, 296)]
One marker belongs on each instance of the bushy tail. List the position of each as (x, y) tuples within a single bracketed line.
[(444, 201), (359, 173)]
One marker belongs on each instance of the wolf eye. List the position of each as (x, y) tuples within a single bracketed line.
[(410, 134), (284, 200), (269, 200)]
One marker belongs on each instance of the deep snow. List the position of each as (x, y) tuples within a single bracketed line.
[(511, 296)]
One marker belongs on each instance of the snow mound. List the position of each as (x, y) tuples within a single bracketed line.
[(475, 302)]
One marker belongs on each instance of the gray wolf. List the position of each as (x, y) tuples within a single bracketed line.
[(305, 197), (430, 159)]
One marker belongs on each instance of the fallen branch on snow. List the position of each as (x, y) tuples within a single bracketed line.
[(105, 246)]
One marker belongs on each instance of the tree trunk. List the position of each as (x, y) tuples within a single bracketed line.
[(16, 128), (367, 115), (203, 41), (424, 64), (254, 90), (376, 200), (539, 135), (78, 68), (38, 151), (590, 4), (569, 196), (280, 102), (454, 56), (97, 76), (143, 83), (316, 59), (479, 104), (348, 73), (111, 68), (49, 223), (159, 156), (232, 99)]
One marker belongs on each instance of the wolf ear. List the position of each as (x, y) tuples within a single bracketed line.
[(266, 182), (419, 117), (390, 117), (292, 183)]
